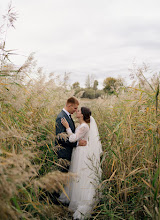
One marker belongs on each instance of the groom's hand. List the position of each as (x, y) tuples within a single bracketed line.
[(82, 143)]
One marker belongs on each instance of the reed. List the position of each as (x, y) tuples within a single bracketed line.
[(129, 132)]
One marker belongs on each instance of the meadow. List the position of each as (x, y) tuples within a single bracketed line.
[(129, 127), (129, 132)]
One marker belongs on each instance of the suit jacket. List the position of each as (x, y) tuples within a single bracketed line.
[(66, 151)]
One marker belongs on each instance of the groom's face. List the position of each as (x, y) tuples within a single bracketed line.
[(73, 108)]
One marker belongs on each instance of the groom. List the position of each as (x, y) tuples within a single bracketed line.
[(65, 147)]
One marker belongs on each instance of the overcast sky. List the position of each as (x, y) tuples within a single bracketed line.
[(99, 37)]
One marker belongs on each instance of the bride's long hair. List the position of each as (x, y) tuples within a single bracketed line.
[(86, 112)]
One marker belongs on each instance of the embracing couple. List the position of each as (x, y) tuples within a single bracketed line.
[(83, 149)]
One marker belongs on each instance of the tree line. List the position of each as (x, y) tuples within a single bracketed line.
[(111, 86)]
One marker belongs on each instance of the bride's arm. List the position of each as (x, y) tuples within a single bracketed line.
[(73, 137)]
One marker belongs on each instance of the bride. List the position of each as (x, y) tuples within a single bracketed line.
[(85, 163)]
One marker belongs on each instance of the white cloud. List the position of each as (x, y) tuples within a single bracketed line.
[(87, 36)]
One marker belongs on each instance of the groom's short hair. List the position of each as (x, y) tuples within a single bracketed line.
[(72, 100)]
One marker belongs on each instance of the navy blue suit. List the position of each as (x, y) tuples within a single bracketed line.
[(66, 152)]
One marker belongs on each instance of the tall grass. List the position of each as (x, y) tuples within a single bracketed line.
[(129, 131), (28, 162)]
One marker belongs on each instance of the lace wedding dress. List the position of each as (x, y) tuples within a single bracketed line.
[(85, 164)]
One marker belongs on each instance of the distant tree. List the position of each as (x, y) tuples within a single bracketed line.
[(76, 85), (109, 84), (112, 85), (88, 82), (95, 85), (92, 79), (66, 79), (90, 93)]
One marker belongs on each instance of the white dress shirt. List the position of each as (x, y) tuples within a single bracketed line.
[(67, 112)]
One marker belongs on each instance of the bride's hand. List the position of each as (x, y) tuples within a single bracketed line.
[(82, 143), (64, 123)]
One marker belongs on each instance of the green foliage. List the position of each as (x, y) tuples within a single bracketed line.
[(46, 158), (109, 85), (91, 93), (95, 85), (112, 85), (78, 91), (76, 85)]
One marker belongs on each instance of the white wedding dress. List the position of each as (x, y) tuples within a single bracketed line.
[(85, 163)]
